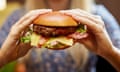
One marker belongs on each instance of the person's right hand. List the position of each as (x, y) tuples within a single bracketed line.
[(97, 40), (12, 48)]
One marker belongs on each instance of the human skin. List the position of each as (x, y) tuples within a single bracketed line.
[(12, 49), (97, 40)]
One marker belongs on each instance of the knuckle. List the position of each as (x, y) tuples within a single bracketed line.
[(13, 28), (103, 25), (13, 32), (75, 10), (98, 17), (19, 27), (100, 29), (32, 11)]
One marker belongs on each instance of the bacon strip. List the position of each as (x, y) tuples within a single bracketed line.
[(78, 35)]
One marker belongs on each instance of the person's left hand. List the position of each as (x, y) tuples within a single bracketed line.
[(12, 48)]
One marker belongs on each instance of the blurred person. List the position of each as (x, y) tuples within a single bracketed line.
[(97, 35), (37, 56)]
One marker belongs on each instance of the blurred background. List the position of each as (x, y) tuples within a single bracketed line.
[(112, 6), (8, 6)]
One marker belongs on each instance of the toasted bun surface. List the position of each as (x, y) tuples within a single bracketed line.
[(55, 19)]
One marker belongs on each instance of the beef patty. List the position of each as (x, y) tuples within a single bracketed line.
[(53, 31)]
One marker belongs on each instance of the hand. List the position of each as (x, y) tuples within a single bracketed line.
[(12, 48), (97, 40)]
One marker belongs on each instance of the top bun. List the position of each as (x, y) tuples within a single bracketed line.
[(55, 19)]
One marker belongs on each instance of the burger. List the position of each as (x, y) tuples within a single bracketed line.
[(54, 30)]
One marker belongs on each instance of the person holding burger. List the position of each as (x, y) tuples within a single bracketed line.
[(54, 36), (97, 35)]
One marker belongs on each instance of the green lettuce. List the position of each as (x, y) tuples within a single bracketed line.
[(81, 28), (25, 39)]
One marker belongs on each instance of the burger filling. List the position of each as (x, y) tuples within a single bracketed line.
[(52, 37)]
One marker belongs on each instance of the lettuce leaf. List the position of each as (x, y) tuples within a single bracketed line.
[(81, 28), (25, 39)]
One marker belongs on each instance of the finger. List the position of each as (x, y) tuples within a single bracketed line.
[(17, 30), (25, 24), (86, 42), (82, 13), (33, 13), (23, 48), (92, 18), (19, 27), (93, 26), (90, 24), (89, 43)]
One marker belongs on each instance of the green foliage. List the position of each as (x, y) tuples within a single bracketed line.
[(9, 67)]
